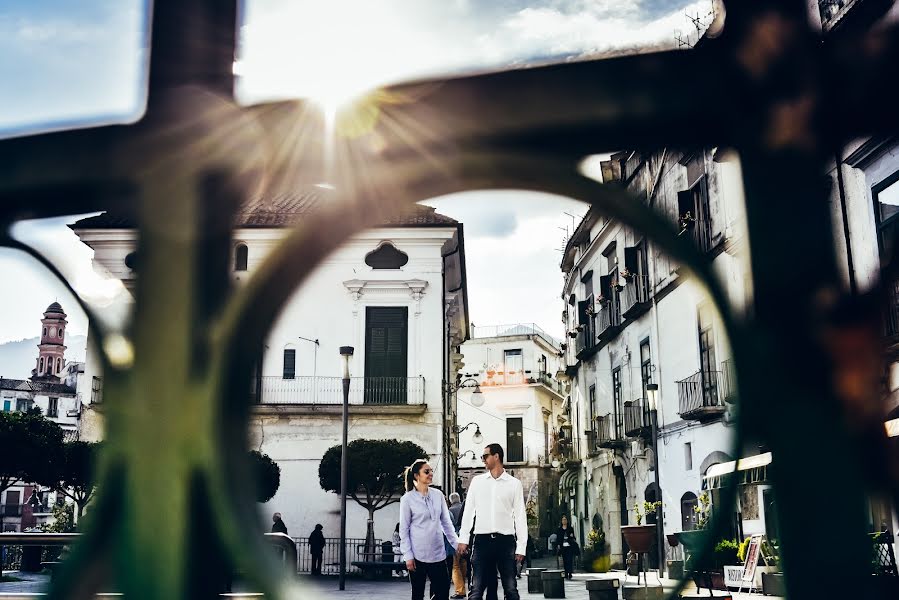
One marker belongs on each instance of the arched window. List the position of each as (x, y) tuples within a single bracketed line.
[(58, 365), (41, 368), (60, 334), (386, 257), (45, 332), (688, 516), (241, 254)]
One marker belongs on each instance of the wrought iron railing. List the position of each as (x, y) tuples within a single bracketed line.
[(609, 431), (701, 390), (609, 318), (11, 510), (586, 336), (700, 231), (636, 418), (329, 390), (635, 294), (355, 547), (728, 380)]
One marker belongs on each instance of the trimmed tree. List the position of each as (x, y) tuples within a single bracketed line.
[(34, 448), (267, 475), (74, 476), (374, 474)]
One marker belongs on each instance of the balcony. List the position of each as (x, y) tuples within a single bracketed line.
[(635, 297), (729, 381), (585, 344), (608, 432), (700, 396), (637, 422), (11, 510), (700, 230), (609, 321), (328, 391)]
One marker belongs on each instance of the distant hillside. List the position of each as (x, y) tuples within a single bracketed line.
[(17, 358)]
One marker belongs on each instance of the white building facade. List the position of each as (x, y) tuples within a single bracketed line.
[(397, 295), (519, 405)]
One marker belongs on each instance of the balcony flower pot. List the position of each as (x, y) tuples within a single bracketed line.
[(639, 538)]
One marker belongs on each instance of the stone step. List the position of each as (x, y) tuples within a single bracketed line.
[(633, 591)]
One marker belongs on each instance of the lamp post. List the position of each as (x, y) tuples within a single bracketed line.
[(477, 396), (652, 391), (477, 438), (346, 352)]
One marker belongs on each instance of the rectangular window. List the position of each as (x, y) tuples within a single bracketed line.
[(707, 361), (514, 440), (546, 442), (645, 365), (616, 402), (513, 364), (591, 400), (96, 390), (23, 404), (290, 363), (7, 405), (688, 456), (53, 407), (386, 354)]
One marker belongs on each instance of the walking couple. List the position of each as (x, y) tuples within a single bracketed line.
[(494, 527)]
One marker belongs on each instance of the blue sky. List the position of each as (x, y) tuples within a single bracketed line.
[(65, 63)]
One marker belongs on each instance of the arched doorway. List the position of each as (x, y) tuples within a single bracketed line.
[(688, 505)]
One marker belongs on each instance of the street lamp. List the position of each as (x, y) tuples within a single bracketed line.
[(652, 393), (477, 396), (346, 352), (477, 438)]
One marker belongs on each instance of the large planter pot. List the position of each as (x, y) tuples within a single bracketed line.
[(773, 584), (639, 538), (692, 540)]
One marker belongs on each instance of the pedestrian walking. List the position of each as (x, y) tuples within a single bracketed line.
[(278, 525), (317, 549), (425, 530), (495, 507), (460, 561), (397, 553), (566, 546)]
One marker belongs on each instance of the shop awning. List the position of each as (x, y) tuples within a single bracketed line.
[(751, 469), (568, 479)]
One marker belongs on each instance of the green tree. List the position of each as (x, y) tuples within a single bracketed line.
[(33, 448), (374, 472), (74, 473), (267, 474)]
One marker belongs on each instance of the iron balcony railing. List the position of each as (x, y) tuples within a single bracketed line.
[(637, 421), (488, 331), (635, 295), (700, 230), (11, 510), (329, 390), (586, 337), (728, 381), (700, 397), (609, 320), (609, 431)]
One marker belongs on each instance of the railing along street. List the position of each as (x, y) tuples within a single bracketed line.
[(329, 390)]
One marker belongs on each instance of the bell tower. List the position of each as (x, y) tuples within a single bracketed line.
[(51, 349)]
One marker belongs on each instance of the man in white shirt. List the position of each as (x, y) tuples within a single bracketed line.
[(495, 508)]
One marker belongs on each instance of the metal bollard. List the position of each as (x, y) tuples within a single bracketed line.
[(535, 585)]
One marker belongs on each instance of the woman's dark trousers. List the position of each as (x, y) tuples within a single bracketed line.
[(436, 572), (568, 560)]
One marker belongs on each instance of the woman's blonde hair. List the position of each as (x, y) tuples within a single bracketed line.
[(411, 471)]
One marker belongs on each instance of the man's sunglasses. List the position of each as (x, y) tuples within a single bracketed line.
[(486, 456)]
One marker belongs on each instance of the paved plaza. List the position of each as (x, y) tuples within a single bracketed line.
[(361, 589)]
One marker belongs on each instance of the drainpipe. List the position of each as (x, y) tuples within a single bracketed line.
[(853, 288)]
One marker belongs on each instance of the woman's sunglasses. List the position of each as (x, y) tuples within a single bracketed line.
[(427, 471)]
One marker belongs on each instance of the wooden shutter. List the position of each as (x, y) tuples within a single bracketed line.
[(386, 354)]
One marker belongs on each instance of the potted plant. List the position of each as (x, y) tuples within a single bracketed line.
[(626, 274), (640, 537), (595, 556)]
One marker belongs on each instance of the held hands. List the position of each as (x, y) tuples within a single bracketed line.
[(519, 558), (462, 548), (410, 564)]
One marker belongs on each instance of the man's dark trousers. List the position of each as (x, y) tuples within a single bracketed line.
[(492, 553)]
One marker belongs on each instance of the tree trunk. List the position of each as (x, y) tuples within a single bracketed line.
[(370, 535)]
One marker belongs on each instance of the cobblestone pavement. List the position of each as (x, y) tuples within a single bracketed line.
[(361, 589)]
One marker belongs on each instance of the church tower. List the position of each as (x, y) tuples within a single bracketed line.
[(51, 350)]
